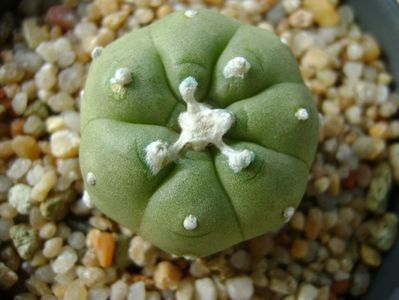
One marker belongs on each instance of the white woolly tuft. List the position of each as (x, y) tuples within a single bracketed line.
[(200, 126), (156, 155), (239, 160), (91, 178), (236, 67), (191, 13), (302, 114), (288, 213), (96, 52), (122, 76), (190, 222), (187, 89)]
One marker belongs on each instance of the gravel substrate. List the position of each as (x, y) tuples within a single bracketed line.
[(54, 244)]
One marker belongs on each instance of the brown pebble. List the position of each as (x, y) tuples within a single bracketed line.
[(313, 223), (299, 248), (298, 221), (340, 287), (17, 127), (6, 150), (261, 246)]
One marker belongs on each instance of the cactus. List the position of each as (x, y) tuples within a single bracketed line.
[(197, 132)]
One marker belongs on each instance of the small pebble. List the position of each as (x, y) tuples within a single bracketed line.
[(167, 276), (205, 289), (65, 260), (240, 288), (64, 143), (19, 198), (370, 256), (119, 290)]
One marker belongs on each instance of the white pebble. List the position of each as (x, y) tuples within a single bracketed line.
[(185, 290), (91, 276), (19, 103), (65, 260), (75, 291), (302, 114), (119, 290), (353, 70), (70, 79), (291, 5), (355, 51), (18, 168), (137, 291), (47, 51), (72, 120), (77, 240), (101, 293), (52, 247), (190, 222), (61, 101), (240, 288), (205, 289), (34, 174), (33, 125), (84, 30), (46, 77), (307, 292), (19, 198)]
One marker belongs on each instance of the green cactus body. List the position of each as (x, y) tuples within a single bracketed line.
[(197, 132)]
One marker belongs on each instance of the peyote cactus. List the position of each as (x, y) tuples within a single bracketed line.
[(197, 132)]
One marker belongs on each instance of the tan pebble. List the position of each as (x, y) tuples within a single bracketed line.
[(115, 20), (106, 7), (324, 293), (302, 18), (315, 58), (43, 187), (313, 223), (298, 221), (371, 49), (6, 150), (299, 249), (378, 130), (167, 276), (58, 290), (93, 13), (337, 246), (144, 15), (214, 2), (103, 244), (322, 184), (370, 256), (26, 147), (64, 144), (335, 184), (164, 10), (324, 12), (141, 252)]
